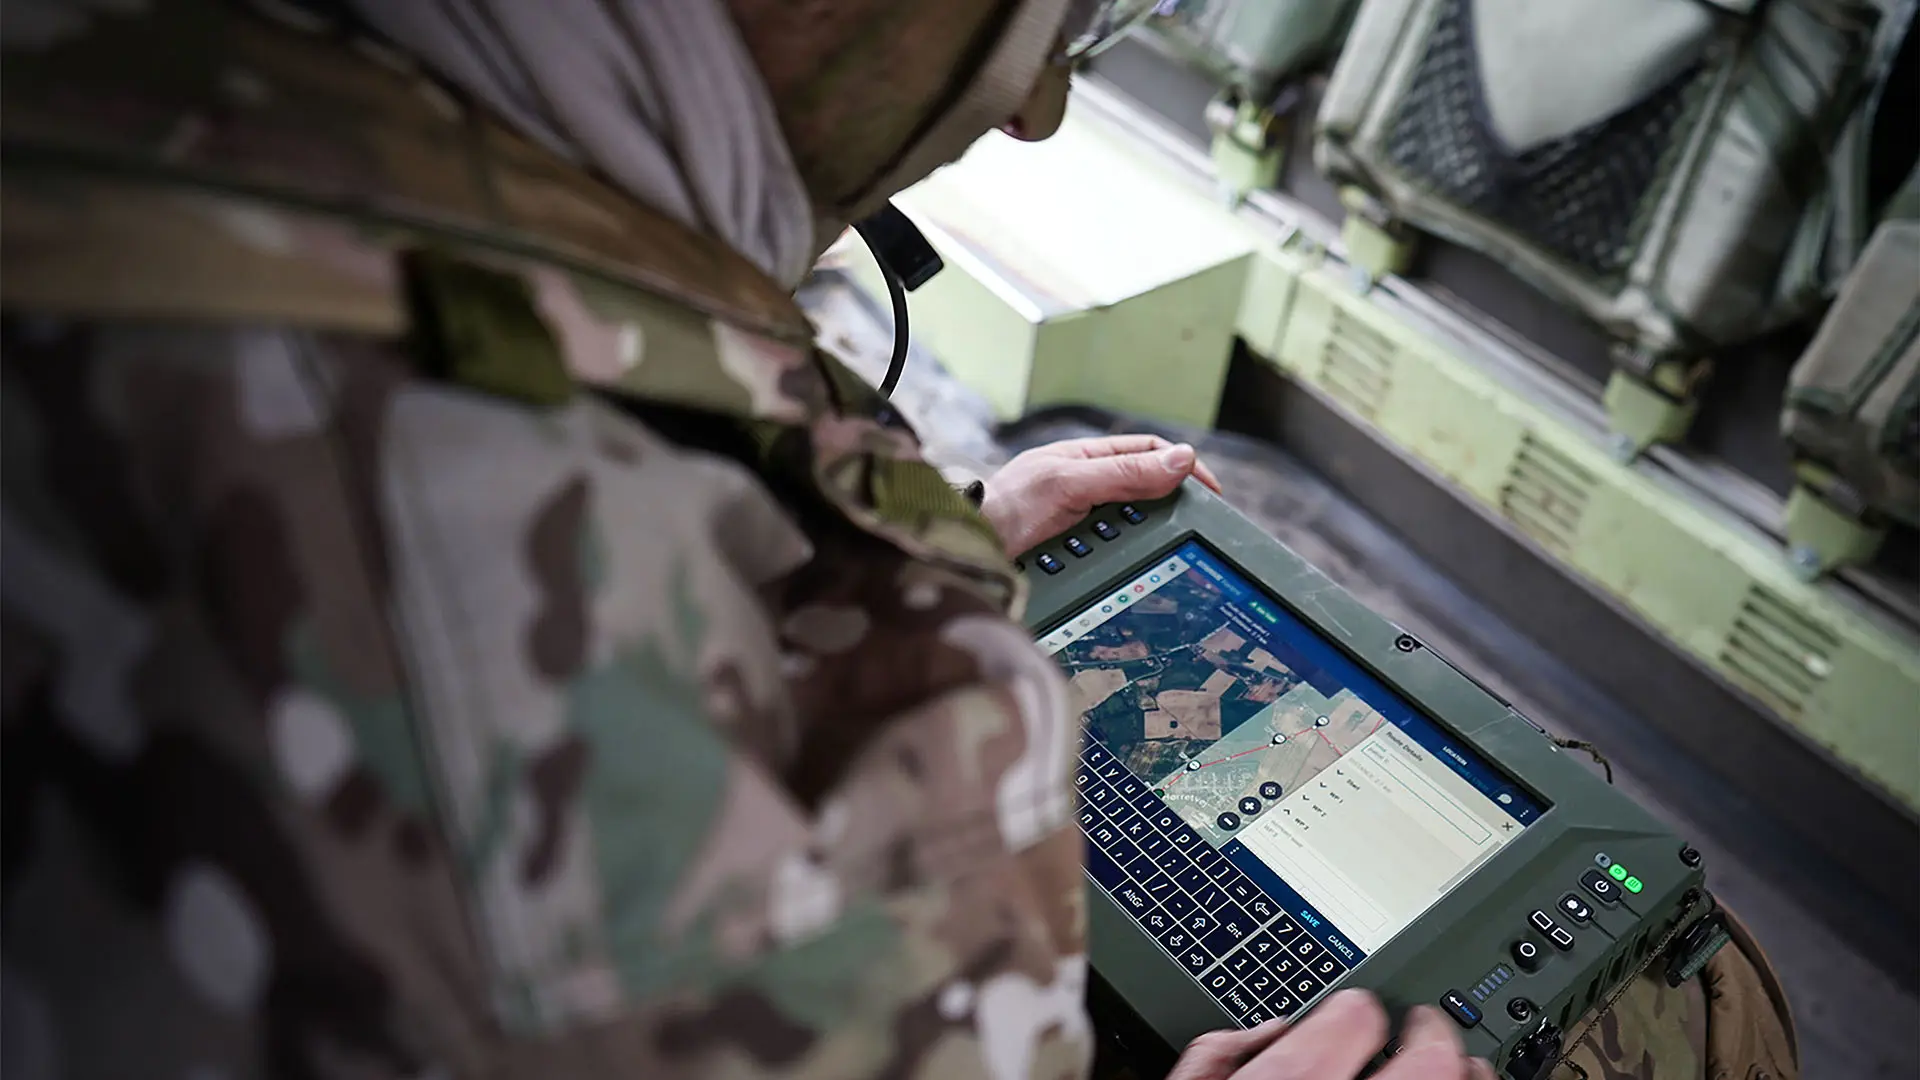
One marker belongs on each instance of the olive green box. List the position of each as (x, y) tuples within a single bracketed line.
[(1077, 271)]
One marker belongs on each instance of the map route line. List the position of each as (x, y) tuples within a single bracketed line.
[(1208, 765), (1336, 749), (1321, 735)]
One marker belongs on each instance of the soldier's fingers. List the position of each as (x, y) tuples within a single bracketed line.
[(1116, 445), (1205, 475), (1334, 1042), (1215, 1055), (1147, 475), (1479, 1069), (1106, 446), (1099, 446), (1430, 1049)]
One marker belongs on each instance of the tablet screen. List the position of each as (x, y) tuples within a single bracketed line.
[(1220, 728)]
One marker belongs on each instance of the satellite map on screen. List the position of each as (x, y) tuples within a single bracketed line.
[(1189, 689)]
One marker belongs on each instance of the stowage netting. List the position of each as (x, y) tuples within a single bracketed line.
[(1578, 196)]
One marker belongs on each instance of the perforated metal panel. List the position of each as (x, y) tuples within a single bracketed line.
[(1357, 365), (1715, 592), (1776, 652), (1546, 493)]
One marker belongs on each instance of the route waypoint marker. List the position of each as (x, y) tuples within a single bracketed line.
[(1321, 721), (1193, 766), (1279, 737)]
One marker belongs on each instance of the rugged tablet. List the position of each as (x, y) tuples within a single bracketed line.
[(1284, 793)]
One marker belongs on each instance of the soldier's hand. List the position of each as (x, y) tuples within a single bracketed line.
[(1334, 1042), (1044, 490)]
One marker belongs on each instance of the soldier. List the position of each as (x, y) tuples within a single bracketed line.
[(454, 622)]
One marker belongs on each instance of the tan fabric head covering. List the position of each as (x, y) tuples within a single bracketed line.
[(663, 98), (1003, 81)]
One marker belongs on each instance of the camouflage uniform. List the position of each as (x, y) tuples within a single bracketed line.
[(1730, 1023), (378, 702), (455, 624)]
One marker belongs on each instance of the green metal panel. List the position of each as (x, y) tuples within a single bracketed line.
[(1357, 361), (1714, 589), (1058, 288), (1266, 304), (1068, 343), (1421, 403), (1858, 676), (1823, 535), (1163, 353), (985, 342)]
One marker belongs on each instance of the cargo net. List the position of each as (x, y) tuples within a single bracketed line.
[(1579, 196)]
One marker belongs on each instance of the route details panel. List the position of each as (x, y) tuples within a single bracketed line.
[(1259, 803)]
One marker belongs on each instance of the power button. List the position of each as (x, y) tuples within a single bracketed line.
[(1603, 888)]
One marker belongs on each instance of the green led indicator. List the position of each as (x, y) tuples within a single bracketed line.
[(1633, 884), (1619, 872)]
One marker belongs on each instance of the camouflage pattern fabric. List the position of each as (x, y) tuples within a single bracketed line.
[(1654, 1032), (362, 724), (380, 701), (1730, 1023), (357, 725)]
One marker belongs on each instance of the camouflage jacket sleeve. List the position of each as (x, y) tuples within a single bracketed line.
[(358, 725)]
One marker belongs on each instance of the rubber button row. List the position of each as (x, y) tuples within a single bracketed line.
[(1079, 548), (1527, 953)]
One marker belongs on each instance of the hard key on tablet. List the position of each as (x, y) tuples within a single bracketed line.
[(1193, 880), (1140, 868), (1283, 1002), (1263, 909), (1242, 963), (1238, 1003), (1133, 898), (1171, 862), (1158, 885), (1103, 869), (1260, 982), (1264, 947)]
